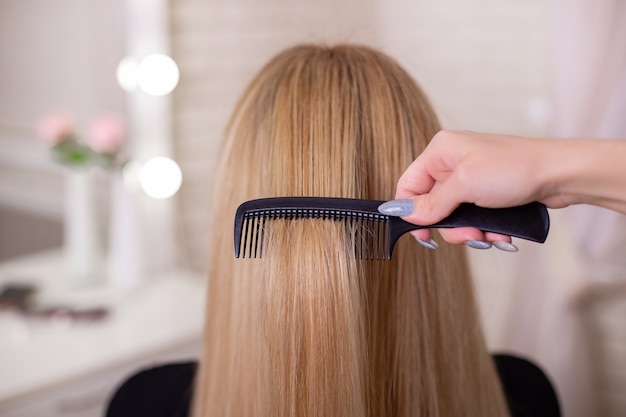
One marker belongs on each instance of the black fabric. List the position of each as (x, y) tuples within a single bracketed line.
[(165, 391), (528, 390)]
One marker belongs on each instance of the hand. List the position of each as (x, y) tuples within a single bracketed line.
[(485, 169)]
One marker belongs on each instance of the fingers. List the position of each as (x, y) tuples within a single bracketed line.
[(438, 203), (461, 235), (468, 236), (429, 208), (416, 180), (424, 238), (440, 179), (477, 239), (496, 237), (422, 173)]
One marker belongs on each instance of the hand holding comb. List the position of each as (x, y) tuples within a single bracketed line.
[(378, 233)]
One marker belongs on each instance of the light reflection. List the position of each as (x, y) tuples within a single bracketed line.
[(128, 74), (130, 173), (160, 177), (156, 74)]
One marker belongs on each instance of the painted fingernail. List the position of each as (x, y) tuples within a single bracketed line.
[(478, 244), (505, 246), (431, 244), (396, 207)]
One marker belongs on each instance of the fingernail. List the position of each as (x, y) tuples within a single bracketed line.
[(396, 207), (478, 244), (505, 246), (431, 244)]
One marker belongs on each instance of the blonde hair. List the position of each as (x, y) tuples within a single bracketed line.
[(307, 330)]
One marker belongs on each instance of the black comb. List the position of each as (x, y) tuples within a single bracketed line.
[(378, 233)]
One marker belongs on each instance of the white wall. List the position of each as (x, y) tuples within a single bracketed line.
[(484, 64), (53, 55)]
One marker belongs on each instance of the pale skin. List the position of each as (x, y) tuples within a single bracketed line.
[(502, 171)]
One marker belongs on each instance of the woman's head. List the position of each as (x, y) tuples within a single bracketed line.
[(340, 121), (308, 330)]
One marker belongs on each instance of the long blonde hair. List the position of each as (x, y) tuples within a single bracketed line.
[(306, 330)]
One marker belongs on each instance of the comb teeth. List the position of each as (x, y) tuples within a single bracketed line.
[(368, 231)]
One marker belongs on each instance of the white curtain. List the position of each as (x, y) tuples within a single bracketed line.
[(587, 245), (590, 101)]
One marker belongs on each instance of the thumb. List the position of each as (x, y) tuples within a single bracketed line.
[(433, 206)]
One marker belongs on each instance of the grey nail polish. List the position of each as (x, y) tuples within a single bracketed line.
[(396, 207), (478, 244), (431, 244), (505, 246)]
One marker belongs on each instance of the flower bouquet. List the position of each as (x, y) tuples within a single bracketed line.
[(82, 232), (105, 138)]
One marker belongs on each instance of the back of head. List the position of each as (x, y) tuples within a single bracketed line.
[(307, 330)]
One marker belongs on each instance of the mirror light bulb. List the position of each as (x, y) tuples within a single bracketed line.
[(160, 177), (128, 73), (157, 75)]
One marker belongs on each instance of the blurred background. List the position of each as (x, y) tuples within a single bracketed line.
[(550, 68)]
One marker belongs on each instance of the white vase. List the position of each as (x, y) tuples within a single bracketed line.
[(126, 269), (82, 233)]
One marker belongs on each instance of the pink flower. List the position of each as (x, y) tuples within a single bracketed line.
[(55, 128), (107, 133)]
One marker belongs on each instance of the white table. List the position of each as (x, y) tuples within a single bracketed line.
[(61, 368)]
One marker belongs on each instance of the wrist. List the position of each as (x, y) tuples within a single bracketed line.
[(587, 171), (552, 170)]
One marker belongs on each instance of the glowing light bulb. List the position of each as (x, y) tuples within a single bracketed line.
[(128, 73), (158, 75), (160, 177)]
